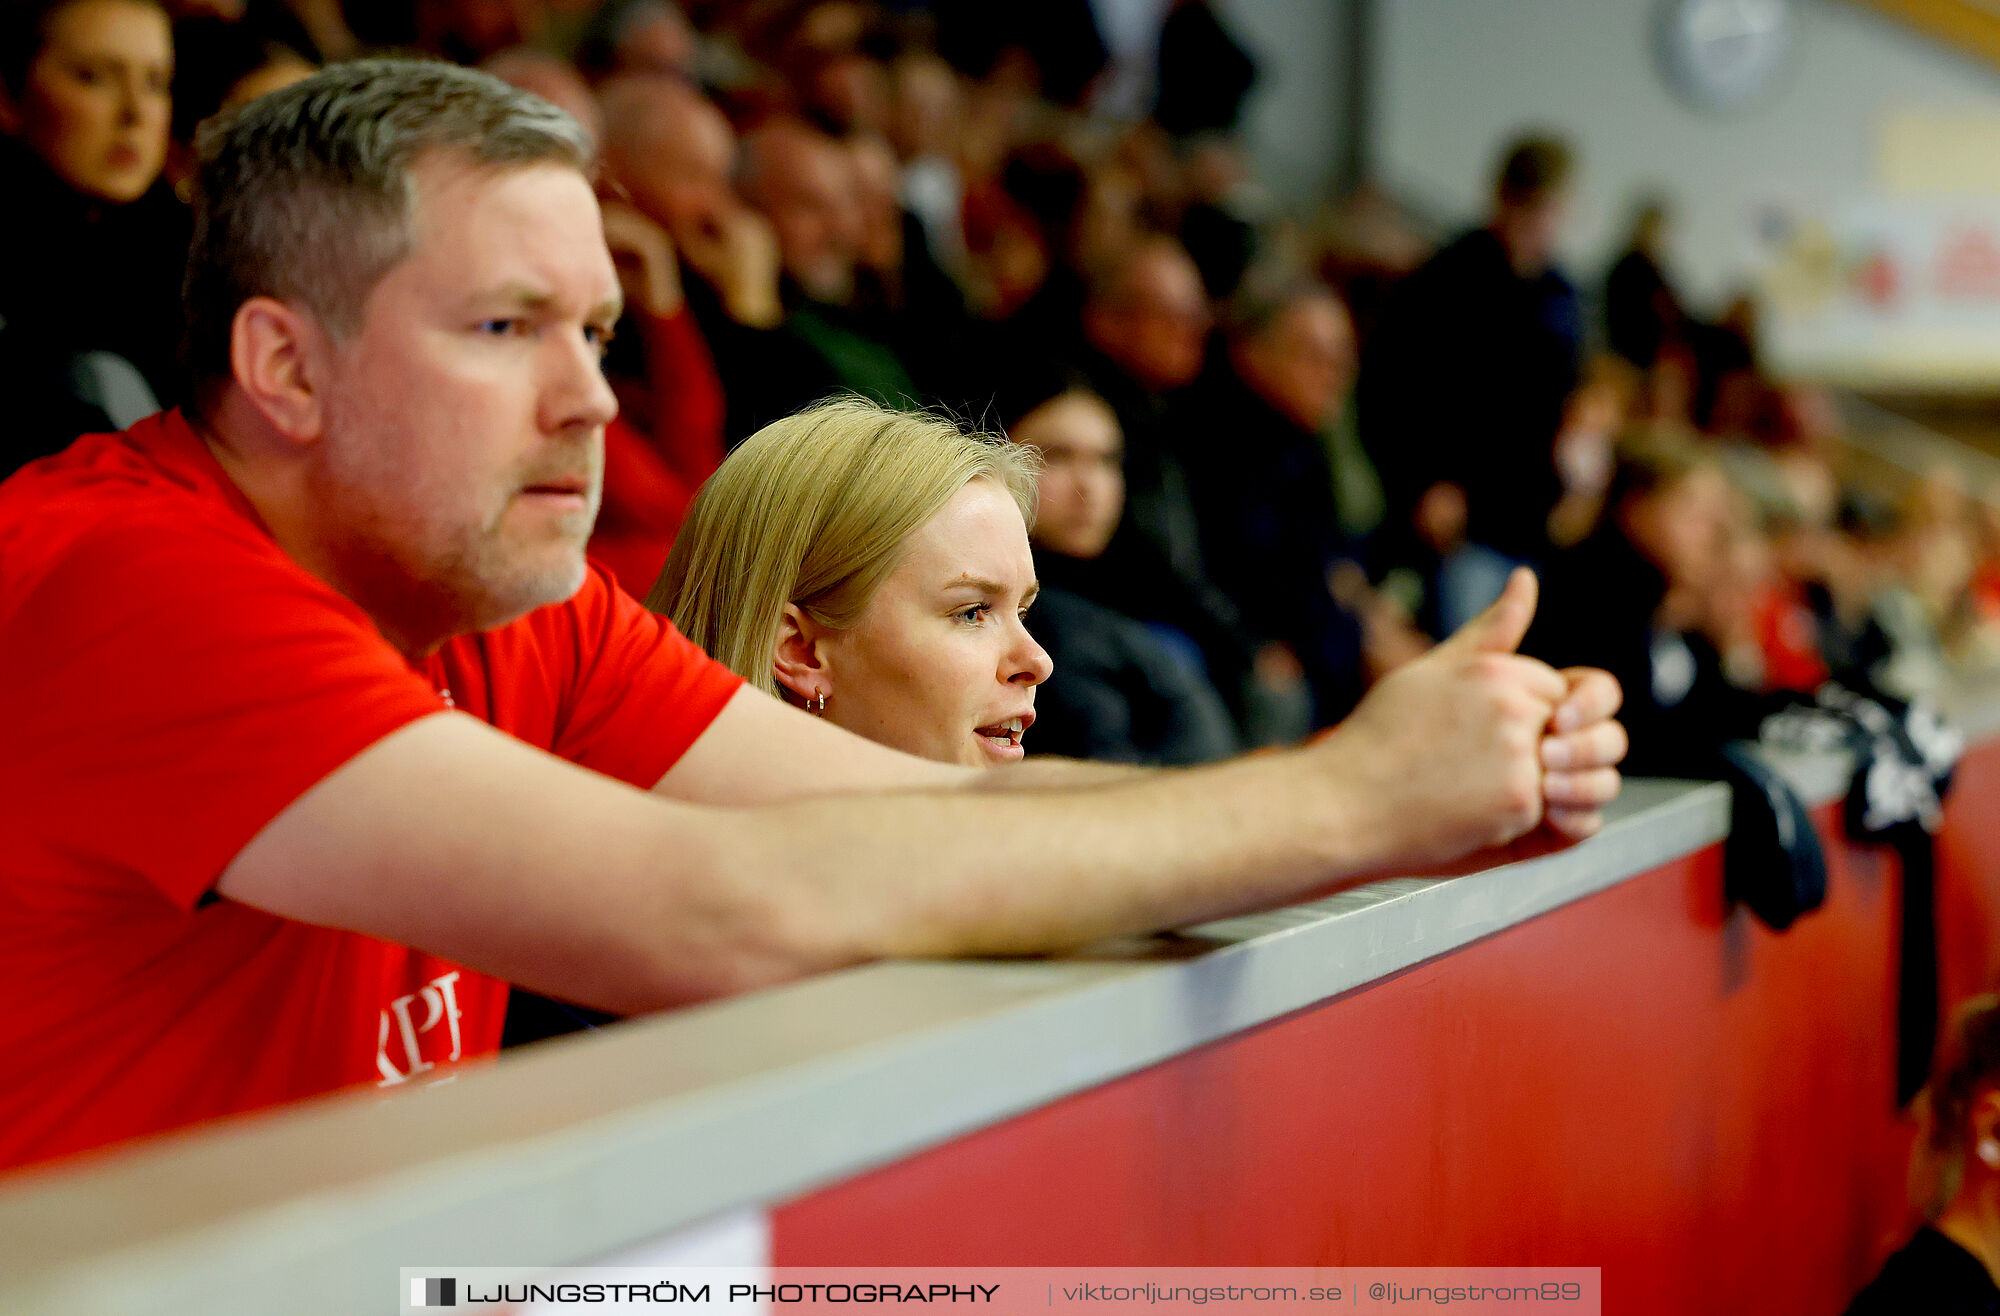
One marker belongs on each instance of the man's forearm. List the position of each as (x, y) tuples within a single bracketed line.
[(1443, 758), (1053, 772), (996, 874)]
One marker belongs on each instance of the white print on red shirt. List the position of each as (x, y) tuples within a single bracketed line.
[(440, 1005)]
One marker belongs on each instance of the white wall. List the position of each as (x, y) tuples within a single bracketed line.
[(1456, 78), (1293, 121)]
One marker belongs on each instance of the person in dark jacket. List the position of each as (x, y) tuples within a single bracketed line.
[(1262, 488), (92, 243), (1120, 690), (1642, 313), (1639, 597), (1464, 381), (805, 183), (1145, 325)]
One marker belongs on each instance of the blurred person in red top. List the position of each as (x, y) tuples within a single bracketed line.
[(668, 437), (674, 154)]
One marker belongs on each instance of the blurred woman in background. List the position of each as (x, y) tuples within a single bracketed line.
[(1948, 1267), (93, 242), (1122, 690)]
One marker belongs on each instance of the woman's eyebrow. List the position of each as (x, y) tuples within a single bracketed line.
[(979, 583), (985, 586)]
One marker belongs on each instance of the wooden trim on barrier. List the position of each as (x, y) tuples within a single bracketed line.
[(1969, 28)]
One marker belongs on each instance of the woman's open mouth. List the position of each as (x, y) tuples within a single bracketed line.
[(1003, 738), (1003, 733)]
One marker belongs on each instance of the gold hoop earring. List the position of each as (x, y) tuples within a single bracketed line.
[(818, 705)]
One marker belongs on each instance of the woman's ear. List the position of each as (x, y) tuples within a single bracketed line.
[(798, 661), (1984, 1135)]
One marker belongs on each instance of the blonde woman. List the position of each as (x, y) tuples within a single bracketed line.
[(871, 566)]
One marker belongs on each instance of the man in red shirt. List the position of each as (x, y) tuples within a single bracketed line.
[(320, 728)]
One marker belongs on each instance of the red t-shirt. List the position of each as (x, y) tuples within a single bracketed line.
[(169, 682)]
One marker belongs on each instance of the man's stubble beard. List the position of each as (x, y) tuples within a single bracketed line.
[(394, 558)]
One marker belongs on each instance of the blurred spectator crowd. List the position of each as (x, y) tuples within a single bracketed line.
[(1285, 452)]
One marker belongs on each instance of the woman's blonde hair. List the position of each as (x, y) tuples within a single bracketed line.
[(813, 510)]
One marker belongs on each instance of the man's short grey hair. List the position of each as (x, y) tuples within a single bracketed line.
[(305, 195)]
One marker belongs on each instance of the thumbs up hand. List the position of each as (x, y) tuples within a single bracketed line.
[(1473, 745), (1504, 624), (1581, 753)]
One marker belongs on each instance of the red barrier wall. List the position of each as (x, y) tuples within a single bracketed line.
[(1641, 1080), (1969, 879)]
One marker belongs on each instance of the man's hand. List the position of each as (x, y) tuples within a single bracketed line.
[(644, 257), (1581, 753), (734, 249), (1472, 745)]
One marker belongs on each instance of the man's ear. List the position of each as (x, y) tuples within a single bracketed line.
[(798, 661), (275, 355)]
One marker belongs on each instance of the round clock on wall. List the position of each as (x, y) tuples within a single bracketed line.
[(1721, 54)]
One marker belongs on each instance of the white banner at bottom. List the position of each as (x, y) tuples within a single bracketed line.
[(1098, 1290)]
